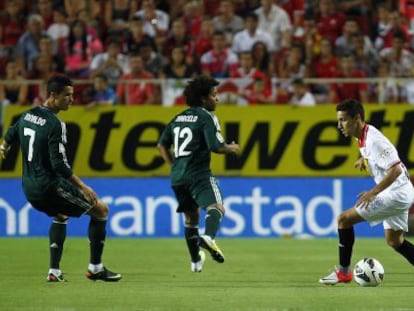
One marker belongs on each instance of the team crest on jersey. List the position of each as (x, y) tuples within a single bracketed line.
[(385, 153)]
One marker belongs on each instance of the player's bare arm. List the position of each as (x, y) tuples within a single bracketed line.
[(88, 191), (229, 148), (165, 153), (367, 197)]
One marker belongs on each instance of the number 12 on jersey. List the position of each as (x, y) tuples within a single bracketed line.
[(182, 137)]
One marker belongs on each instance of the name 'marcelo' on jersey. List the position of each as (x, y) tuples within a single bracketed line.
[(42, 137), (194, 134)]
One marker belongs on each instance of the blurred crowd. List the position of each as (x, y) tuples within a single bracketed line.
[(136, 52)]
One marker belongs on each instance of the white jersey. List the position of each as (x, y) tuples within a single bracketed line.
[(381, 155)]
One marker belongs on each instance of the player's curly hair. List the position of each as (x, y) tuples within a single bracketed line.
[(352, 108), (198, 89)]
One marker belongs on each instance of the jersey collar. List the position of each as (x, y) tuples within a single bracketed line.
[(362, 140)]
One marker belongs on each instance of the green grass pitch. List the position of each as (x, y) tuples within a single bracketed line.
[(258, 275)]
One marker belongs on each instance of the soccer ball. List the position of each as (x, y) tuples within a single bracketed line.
[(368, 272)]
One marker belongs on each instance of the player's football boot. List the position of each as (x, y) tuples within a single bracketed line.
[(337, 276), (53, 278), (198, 266), (210, 245), (104, 275)]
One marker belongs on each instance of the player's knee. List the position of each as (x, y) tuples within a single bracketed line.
[(60, 218), (218, 207), (343, 221), (394, 243), (192, 218), (100, 210)]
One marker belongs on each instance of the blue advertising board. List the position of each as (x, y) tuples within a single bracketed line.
[(255, 207)]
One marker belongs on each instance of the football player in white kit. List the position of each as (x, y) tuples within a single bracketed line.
[(388, 201)]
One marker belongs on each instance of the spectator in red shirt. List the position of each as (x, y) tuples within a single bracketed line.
[(13, 24), (246, 70), (262, 58), (45, 10), (259, 94), (397, 24), (329, 22), (249, 74), (137, 93), (193, 17), (219, 61), (204, 41), (382, 25), (354, 90), (322, 66)]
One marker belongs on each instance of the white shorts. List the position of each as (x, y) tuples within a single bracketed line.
[(391, 207)]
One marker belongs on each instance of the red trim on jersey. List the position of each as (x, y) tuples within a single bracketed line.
[(362, 140), (396, 163)]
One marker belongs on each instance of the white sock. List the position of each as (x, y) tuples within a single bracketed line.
[(56, 272), (95, 268)]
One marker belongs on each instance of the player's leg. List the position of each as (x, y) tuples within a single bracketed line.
[(189, 207), (207, 241), (208, 195), (191, 233), (215, 213), (57, 236), (97, 236), (51, 205), (346, 235), (395, 239)]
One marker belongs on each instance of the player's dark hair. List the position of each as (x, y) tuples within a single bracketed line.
[(57, 84), (352, 107), (198, 89)]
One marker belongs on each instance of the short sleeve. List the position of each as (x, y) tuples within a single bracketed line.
[(385, 153)]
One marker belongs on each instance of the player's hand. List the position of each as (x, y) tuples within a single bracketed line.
[(233, 147), (365, 198), (361, 164), (4, 150), (89, 193)]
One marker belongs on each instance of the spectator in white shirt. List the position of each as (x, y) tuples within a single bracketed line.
[(59, 29), (112, 63), (243, 41), (275, 21), (227, 21), (301, 95), (155, 21)]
